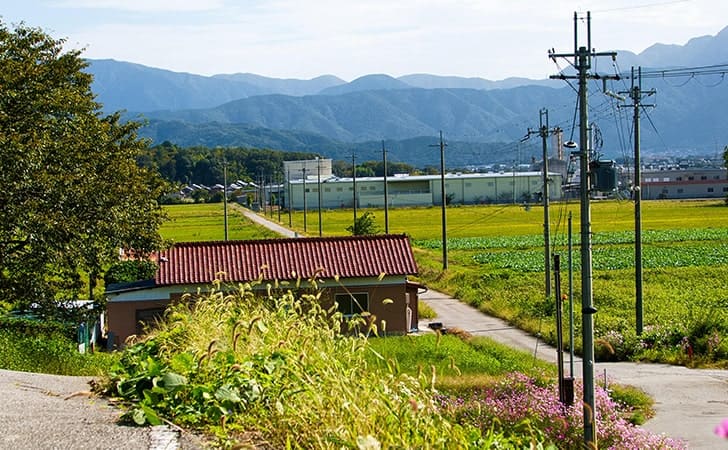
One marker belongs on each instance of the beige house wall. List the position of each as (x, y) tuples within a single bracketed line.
[(123, 307)]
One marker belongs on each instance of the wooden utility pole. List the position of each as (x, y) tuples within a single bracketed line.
[(582, 62)]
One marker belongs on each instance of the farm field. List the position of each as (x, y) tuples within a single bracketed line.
[(496, 263), (206, 222)]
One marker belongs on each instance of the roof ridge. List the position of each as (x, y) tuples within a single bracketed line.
[(296, 239)]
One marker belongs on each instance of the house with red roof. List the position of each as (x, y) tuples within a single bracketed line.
[(357, 272)]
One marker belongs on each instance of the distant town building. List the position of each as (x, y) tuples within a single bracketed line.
[(684, 183)]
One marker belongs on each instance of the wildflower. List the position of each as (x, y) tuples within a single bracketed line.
[(722, 429)]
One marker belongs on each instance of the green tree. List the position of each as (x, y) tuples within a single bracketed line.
[(364, 225), (72, 191)]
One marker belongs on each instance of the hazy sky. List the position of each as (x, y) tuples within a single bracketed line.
[(491, 39)]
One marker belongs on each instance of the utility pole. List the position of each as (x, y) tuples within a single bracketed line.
[(386, 194), (290, 200), (442, 146), (582, 62), (224, 193), (636, 94), (544, 132), (353, 175), (318, 170), (279, 175), (305, 222)]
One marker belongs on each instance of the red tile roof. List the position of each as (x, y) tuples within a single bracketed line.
[(286, 259)]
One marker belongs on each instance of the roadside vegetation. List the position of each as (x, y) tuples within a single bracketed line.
[(47, 347), (280, 372)]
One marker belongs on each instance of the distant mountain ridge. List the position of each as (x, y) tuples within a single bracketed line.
[(331, 113)]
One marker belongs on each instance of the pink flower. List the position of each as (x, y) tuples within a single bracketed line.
[(722, 429)]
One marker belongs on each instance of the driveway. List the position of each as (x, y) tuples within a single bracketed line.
[(689, 403)]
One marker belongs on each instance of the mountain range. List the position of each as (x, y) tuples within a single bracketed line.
[(483, 120)]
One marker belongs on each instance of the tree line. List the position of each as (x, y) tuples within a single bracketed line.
[(205, 166)]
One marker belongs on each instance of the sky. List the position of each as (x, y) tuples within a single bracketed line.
[(492, 39)]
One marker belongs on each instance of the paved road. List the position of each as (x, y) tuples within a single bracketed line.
[(689, 403), (40, 412), (257, 218)]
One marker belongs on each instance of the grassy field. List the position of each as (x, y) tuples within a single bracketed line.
[(514, 220), (206, 222)]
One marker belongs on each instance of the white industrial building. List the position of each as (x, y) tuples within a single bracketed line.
[(418, 190)]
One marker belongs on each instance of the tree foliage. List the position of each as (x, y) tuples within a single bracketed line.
[(205, 166), (364, 225), (72, 191)]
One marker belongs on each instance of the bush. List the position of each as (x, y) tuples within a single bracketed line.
[(45, 349), (130, 270)]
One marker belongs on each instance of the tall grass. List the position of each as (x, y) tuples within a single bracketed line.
[(277, 371)]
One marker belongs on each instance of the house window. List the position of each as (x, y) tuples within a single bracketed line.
[(339, 189), (354, 303), (146, 318), (371, 188), (666, 179), (725, 189), (679, 191), (308, 190), (710, 189), (704, 177), (678, 179), (327, 189), (665, 191), (716, 177), (691, 178)]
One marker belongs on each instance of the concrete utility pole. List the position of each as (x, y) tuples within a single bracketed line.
[(582, 63), (442, 146), (318, 172), (544, 132), (305, 221), (386, 194), (224, 194), (290, 200), (636, 94), (353, 176)]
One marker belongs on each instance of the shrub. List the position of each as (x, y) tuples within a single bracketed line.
[(130, 270)]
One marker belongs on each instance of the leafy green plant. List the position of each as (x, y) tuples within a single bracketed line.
[(364, 225), (130, 270)]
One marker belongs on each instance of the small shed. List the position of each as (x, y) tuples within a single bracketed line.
[(357, 272)]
